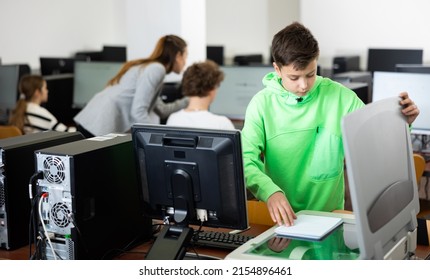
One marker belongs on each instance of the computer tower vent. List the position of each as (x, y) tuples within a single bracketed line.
[(2, 197), (2, 187), (54, 170), (60, 214)]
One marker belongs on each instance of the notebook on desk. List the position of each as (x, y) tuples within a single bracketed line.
[(309, 227)]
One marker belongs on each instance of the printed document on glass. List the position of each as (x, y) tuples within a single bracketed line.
[(310, 227)]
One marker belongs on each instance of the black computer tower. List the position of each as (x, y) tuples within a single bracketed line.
[(17, 165), (91, 209)]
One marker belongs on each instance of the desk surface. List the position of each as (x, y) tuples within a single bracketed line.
[(139, 252)]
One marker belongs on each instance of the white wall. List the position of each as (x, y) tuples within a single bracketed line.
[(345, 27), (247, 26), (148, 20), (33, 28), (30, 29)]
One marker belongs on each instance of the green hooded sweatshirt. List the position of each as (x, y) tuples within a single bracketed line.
[(296, 146)]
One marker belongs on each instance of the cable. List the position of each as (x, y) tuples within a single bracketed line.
[(33, 226), (31, 183), (33, 179), (81, 237), (43, 225)]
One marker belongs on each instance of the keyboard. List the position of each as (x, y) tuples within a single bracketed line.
[(222, 240)]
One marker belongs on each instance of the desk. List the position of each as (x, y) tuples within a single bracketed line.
[(139, 252)]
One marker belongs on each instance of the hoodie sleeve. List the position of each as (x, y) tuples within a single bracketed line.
[(253, 145)]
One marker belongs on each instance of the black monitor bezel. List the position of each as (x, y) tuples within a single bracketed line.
[(380, 59), (413, 68), (237, 218), (56, 65)]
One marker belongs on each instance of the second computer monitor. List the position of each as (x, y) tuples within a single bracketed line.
[(215, 53), (56, 65), (90, 78), (9, 79), (390, 84), (386, 59), (413, 68), (187, 173), (382, 180), (114, 53), (240, 84)]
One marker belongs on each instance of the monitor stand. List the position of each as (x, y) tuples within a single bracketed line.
[(171, 243)]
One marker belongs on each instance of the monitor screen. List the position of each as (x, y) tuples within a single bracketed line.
[(390, 84), (9, 79), (386, 59), (250, 59), (89, 56), (240, 84), (215, 53), (90, 78), (56, 65), (114, 53), (60, 97), (413, 68), (199, 168), (382, 180)]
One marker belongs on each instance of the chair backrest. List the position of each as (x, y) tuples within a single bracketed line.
[(258, 213), (7, 131), (420, 165)]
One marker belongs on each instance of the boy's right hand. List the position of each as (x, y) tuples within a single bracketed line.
[(280, 209)]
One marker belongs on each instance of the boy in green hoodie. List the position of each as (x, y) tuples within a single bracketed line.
[(292, 141)]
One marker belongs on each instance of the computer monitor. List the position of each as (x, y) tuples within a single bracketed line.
[(382, 181), (89, 56), (342, 64), (114, 53), (56, 65), (413, 68), (215, 53), (250, 59), (60, 97), (185, 175), (9, 79), (386, 59), (240, 84), (90, 78), (389, 84)]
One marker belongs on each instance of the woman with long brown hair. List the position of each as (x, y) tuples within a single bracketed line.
[(132, 96)]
